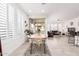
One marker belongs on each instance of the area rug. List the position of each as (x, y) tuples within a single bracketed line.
[(37, 51)]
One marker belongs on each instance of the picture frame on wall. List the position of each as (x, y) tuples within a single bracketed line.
[(25, 24), (71, 23)]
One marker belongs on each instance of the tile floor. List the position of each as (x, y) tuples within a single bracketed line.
[(21, 50), (58, 46)]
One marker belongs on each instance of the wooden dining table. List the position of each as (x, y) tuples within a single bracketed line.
[(38, 39)]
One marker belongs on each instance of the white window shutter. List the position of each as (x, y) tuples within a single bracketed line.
[(3, 21)]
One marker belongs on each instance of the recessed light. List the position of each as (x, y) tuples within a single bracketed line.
[(30, 11), (42, 10)]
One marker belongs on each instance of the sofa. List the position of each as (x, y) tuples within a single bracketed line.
[(53, 32)]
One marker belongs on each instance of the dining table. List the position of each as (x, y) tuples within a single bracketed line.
[(38, 39)]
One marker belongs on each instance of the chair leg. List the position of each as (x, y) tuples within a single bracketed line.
[(40, 47), (31, 48), (44, 48)]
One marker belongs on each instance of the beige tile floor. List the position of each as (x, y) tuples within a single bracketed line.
[(58, 46)]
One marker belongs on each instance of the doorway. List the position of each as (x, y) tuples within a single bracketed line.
[(38, 25)]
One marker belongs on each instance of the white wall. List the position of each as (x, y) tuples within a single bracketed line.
[(15, 29), (53, 24), (63, 23), (75, 23)]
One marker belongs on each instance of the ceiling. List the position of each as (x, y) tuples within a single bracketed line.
[(69, 10)]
